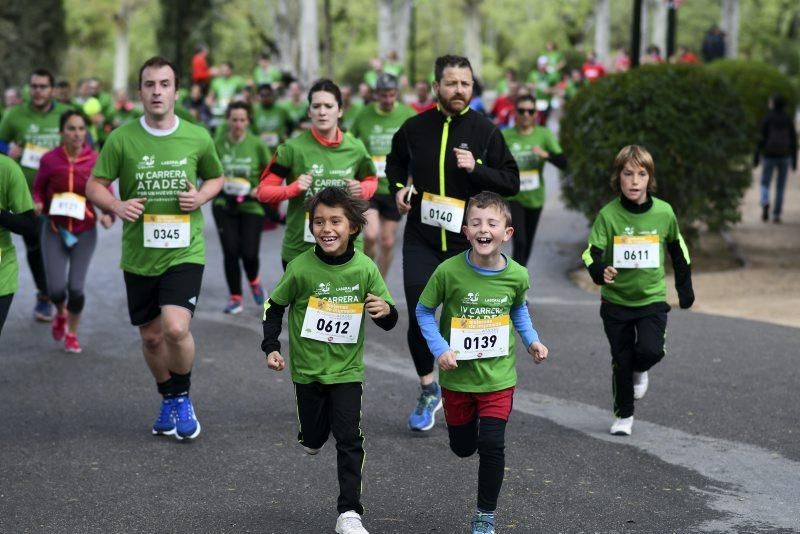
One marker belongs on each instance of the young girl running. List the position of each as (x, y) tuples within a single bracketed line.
[(327, 288), (626, 257)]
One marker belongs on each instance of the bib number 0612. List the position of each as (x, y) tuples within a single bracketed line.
[(336, 327)]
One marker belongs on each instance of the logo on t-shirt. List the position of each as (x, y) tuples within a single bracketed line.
[(348, 289), (496, 300), (317, 169), (176, 162), (471, 298), (147, 162), (323, 289)]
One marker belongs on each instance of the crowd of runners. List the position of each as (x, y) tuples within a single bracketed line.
[(465, 181)]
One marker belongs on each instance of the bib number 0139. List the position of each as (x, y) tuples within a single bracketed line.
[(472, 339)]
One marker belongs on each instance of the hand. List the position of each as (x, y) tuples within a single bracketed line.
[(14, 151), (686, 299), (354, 186), (304, 181), (190, 199), (106, 220), (609, 273), (538, 351), (541, 153), (464, 159), (400, 199), (447, 361), (38, 207), (128, 210), (376, 306), (275, 361)]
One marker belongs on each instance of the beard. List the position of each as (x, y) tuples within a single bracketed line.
[(455, 104)]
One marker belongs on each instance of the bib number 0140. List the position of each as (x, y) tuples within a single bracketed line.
[(442, 212)]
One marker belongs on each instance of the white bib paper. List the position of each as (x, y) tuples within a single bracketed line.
[(308, 237), (332, 322), (529, 180), (636, 252), (270, 138), (380, 165), (442, 212), (68, 205), (473, 339), (236, 187), (166, 231), (31, 156)]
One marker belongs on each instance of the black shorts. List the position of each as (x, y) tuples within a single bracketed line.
[(177, 286), (386, 206)]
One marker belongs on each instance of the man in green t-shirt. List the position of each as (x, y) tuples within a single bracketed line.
[(16, 215), (271, 122), (27, 132), (375, 125), (223, 89), (158, 161)]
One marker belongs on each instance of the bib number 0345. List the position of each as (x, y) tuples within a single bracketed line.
[(166, 231)]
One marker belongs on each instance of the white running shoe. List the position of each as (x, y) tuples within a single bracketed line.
[(350, 523), (310, 451), (622, 427), (640, 383)]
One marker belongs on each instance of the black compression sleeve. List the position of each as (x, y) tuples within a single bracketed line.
[(23, 224), (273, 317), (388, 322), (596, 268), (559, 160), (683, 274)]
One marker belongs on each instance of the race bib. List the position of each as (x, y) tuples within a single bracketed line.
[(166, 231), (636, 252), (236, 187), (529, 180), (270, 138), (308, 237), (31, 156), (332, 322), (542, 104), (68, 205), (380, 165), (472, 339), (442, 212)]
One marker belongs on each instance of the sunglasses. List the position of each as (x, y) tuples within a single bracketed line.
[(39, 86), (526, 111)]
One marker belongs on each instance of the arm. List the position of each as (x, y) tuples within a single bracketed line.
[(683, 272), (592, 258), (271, 189), (426, 318), (389, 321), (23, 224), (398, 160), (524, 325), (273, 316), (498, 172)]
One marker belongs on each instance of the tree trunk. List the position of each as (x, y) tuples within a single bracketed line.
[(601, 30), (730, 25), (122, 20), (32, 35), (644, 41), (309, 42), (385, 27), (184, 24), (472, 35), (402, 30), (328, 48), (660, 27)]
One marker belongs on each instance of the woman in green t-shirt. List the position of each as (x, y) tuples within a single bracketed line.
[(238, 214)]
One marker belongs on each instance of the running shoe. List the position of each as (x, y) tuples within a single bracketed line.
[(59, 327), (258, 291), (310, 451), (422, 418), (43, 311), (165, 424), (622, 426), (765, 212), (350, 523), (482, 523), (640, 383), (234, 306), (187, 425), (71, 343)]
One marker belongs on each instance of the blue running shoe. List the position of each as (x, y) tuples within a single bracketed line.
[(43, 311), (422, 418), (188, 427), (234, 305), (258, 291), (483, 523), (165, 424)]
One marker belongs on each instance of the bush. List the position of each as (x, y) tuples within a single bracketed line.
[(755, 82), (688, 117)]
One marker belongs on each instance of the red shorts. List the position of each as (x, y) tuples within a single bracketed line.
[(461, 408)]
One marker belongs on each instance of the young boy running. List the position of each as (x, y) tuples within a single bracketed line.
[(626, 257), (481, 291), (327, 289)]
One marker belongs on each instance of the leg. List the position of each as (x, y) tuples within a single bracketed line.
[(5, 304), (766, 177), (80, 257), (250, 243), (650, 340), (780, 185), (371, 231), (491, 449), (312, 415), (55, 256), (621, 338), (388, 238), (345, 418), (461, 415), (227, 228), (532, 216), (520, 238), (35, 259)]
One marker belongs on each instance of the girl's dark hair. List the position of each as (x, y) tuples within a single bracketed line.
[(339, 197), (326, 86), (62, 120), (238, 104)]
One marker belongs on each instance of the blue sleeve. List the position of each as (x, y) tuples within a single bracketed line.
[(4, 146), (522, 322), (426, 318)]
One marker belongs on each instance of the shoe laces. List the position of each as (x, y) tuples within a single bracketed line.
[(483, 523), (167, 410), (185, 409), (424, 402)]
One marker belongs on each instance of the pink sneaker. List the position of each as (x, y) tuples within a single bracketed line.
[(71, 343), (59, 327)]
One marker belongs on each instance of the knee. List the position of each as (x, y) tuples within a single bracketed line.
[(57, 297), (151, 341), (650, 355), (387, 241), (76, 301), (462, 450), (175, 330)]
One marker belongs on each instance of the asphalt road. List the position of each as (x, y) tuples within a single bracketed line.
[(714, 446)]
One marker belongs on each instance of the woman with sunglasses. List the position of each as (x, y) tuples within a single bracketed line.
[(531, 145)]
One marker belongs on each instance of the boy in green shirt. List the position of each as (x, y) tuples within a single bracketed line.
[(327, 289), (481, 292), (625, 256)]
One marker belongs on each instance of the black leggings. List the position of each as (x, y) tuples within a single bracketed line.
[(487, 435), (33, 244), (525, 222), (240, 235), (5, 304), (637, 337)]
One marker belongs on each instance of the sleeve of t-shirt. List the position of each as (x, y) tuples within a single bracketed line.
[(19, 196), (366, 167), (208, 165), (285, 293), (433, 294), (7, 129), (598, 236), (283, 162), (552, 144), (524, 285), (264, 155), (110, 160), (377, 286)]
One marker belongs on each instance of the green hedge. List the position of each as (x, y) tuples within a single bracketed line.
[(755, 82), (688, 117)]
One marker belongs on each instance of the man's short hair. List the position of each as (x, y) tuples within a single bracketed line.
[(46, 73), (157, 62), (442, 62)]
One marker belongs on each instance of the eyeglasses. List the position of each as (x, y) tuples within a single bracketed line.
[(526, 111), (40, 86)]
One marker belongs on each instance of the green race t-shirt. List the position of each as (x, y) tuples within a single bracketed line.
[(531, 166), (157, 168), (271, 124), (312, 360), (224, 90), (243, 160), (350, 114), (376, 129), (644, 234), (466, 293), (36, 132), (16, 198), (329, 167)]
